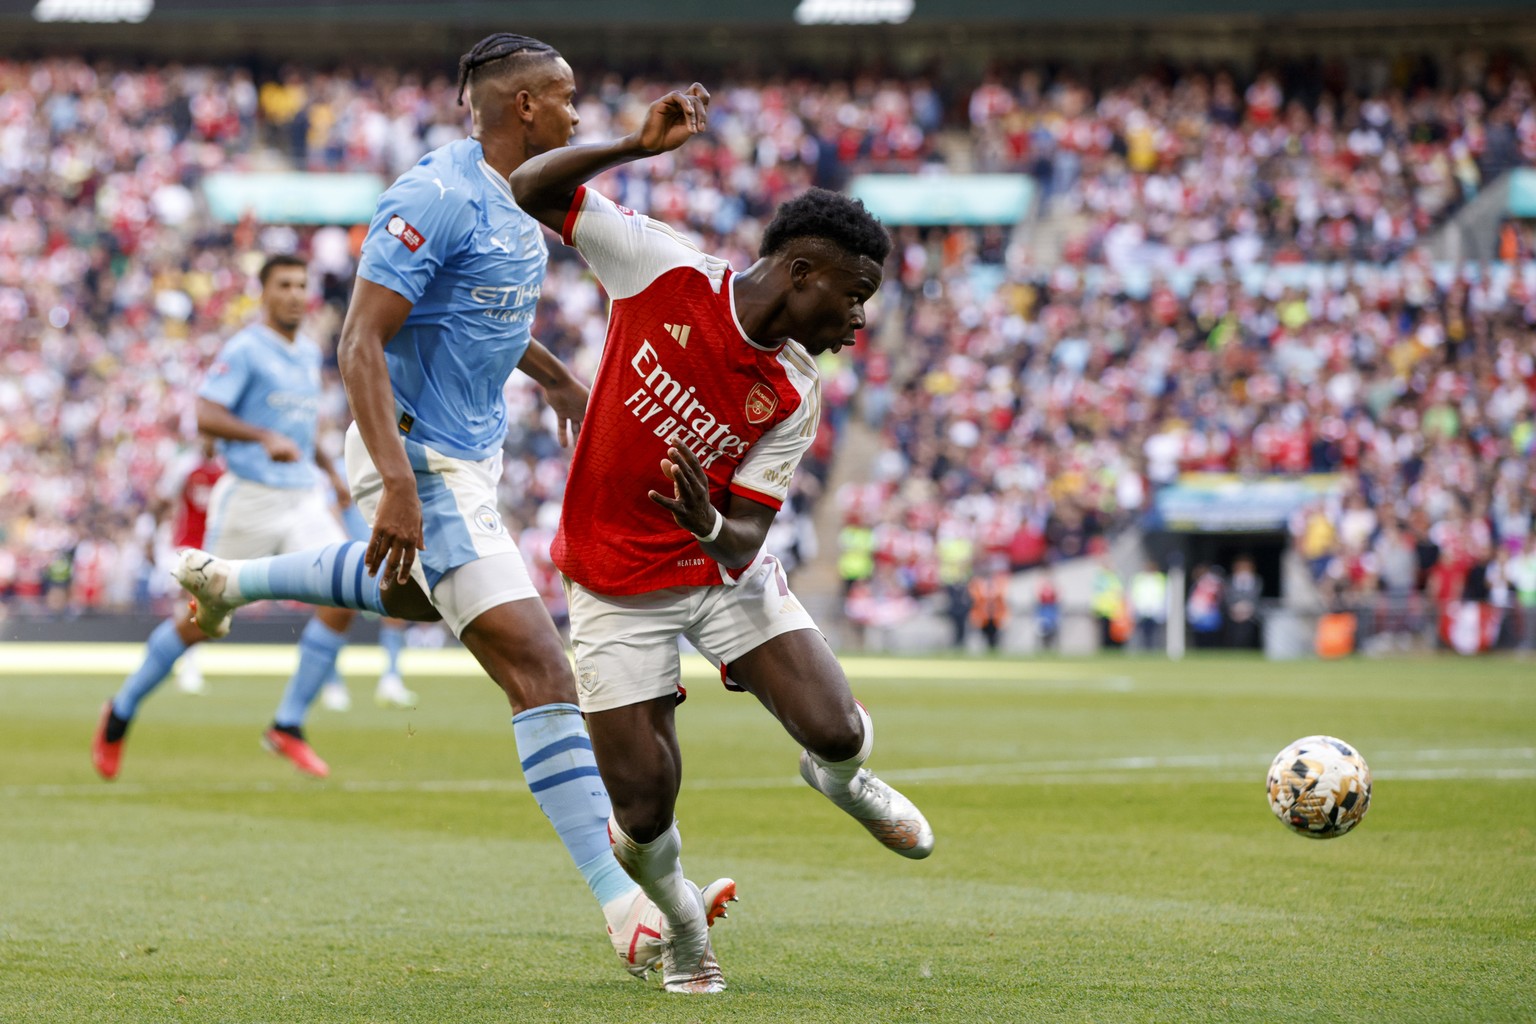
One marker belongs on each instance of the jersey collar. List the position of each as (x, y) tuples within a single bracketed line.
[(494, 175), (731, 301), (277, 339)]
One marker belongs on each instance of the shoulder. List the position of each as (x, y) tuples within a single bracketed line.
[(798, 364), (447, 173), (241, 342)]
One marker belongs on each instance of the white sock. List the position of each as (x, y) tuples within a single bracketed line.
[(842, 772), (657, 868)]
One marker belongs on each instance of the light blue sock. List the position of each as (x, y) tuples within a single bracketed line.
[(392, 639), (318, 647), (562, 775), (161, 650), (333, 576)]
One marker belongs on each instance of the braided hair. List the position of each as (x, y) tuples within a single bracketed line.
[(498, 47)]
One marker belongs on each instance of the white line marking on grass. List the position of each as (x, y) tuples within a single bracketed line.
[(245, 660), (1098, 771)]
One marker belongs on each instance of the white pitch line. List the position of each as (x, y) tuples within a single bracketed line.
[(1099, 771)]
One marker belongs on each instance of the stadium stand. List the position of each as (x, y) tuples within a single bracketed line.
[(1238, 284)]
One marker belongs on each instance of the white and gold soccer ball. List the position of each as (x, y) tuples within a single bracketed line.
[(1319, 787)]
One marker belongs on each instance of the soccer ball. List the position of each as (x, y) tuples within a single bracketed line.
[(1319, 787)]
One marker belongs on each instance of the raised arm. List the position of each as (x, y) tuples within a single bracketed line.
[(546, 185)]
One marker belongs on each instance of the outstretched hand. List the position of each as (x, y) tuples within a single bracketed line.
[(675, 118), (689, 503)]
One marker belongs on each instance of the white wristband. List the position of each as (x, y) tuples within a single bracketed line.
[(705, 538)]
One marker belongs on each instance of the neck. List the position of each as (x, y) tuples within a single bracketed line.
[(287, 332), (504, 151), (760, 306)]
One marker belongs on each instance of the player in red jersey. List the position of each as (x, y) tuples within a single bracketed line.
[(195, 478), (707, 384), (202, 471)]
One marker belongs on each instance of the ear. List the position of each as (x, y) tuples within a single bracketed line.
[(800, 269), (522, 103)]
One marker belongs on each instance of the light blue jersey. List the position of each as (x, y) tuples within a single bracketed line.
[(448, 236), (273, 384)]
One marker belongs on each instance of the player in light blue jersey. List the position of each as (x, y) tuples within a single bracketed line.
[(440, 316), (261, 399)]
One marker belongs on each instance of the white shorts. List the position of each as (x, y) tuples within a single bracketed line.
[(460, 524), (251, 520), (626, 647)]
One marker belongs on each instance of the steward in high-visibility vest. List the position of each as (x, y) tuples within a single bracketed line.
[(856, 554)]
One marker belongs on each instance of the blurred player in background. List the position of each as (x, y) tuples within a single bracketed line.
[(440, 316), (261, 400), (711, 376), (187, 487)]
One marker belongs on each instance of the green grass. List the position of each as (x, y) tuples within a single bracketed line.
[(1104, 854)]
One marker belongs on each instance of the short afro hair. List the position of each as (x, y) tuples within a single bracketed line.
[(828, 215)]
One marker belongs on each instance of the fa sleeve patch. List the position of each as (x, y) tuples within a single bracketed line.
[(409, 236)]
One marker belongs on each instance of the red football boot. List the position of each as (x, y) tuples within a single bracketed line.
[(106, 755), (303, 756)]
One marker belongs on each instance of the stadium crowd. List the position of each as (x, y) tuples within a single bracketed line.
[(1025, 412)]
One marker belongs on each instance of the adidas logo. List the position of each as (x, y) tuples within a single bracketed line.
[(679, 332)]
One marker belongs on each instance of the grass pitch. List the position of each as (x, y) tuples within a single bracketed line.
[(1104, 853)]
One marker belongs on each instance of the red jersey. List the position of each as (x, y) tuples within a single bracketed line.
[(677, 371), (192, 506)]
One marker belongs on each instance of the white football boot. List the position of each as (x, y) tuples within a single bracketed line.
[(205, 578), (637, 939), (391, 693), (889, 816), (189, 677), (334, 696), (688, 964)]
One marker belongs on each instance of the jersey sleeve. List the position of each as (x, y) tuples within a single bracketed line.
[(228, 376), (764, 474), (625, 249), (417, 226)]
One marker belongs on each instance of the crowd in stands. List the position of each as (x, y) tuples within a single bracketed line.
[(116, 289), (1199, 170), (1025, 412)]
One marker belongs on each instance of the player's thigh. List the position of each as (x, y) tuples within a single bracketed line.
[(626, 646), (518, 646), (459, 522), (245, 519), (769, 645)]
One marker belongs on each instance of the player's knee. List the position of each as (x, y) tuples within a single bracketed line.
[(836, 737), (543, 676)]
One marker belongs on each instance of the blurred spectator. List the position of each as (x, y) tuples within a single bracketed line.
[(989, 602), (1203, 608), (1109, 605), (1047, 612), (1149, 605), (1244, 591)]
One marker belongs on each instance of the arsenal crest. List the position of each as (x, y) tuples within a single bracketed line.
[(761, 401)]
